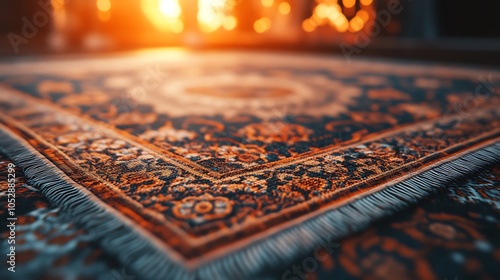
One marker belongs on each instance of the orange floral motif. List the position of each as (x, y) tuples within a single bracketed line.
[(200, 209), (276, 132)]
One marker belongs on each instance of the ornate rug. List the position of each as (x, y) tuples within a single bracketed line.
[(449, 235), (219, 166)]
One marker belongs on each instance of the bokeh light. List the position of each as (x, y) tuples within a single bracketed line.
[(284, 8), (262, 25), (347, 17), (165, 15)]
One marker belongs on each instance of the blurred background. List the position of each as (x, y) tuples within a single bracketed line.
[(462, 31)]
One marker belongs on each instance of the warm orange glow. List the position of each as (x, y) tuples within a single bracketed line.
[(262, 25), (356, 24), (230, 23), (103, 5), (339, 21), (334, 14), (349, 3), (170, 8), (214, 14), (208, 21), (284, 8), (321, 10), (316, 20), (363, 15), (267, 3), (104, 16), (165, 15), (342, 25), (57, 5), (366, 2), (308, 25), (59, 13), (177, 27), (329, 12)]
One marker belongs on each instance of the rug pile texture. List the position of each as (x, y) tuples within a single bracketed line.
[(225, 166)]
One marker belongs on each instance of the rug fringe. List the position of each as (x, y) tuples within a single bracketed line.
[(290, 244), (136, 252), (115, 236)]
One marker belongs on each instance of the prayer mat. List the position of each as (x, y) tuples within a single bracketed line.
[(219, 166)]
